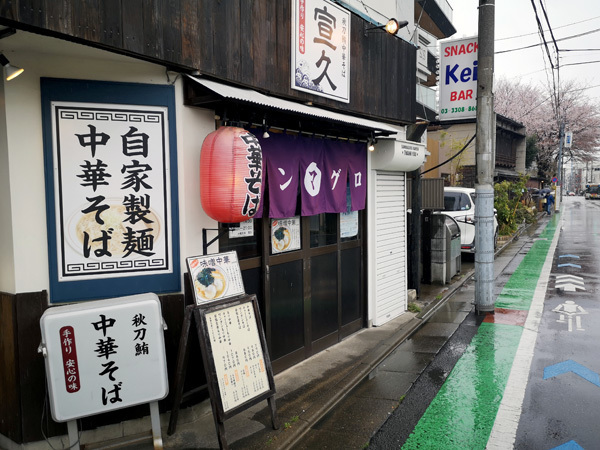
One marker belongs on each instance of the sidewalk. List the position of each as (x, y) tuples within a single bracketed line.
[(307, 392)]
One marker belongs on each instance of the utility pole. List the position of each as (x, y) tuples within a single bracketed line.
[(559, 191), (484, 150)]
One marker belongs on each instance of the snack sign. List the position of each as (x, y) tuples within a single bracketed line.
[(458, 79)]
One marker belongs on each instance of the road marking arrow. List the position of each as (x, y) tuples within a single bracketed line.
[(569, 256), (569, 287), (572, 366), (570, 265), (570, 277), (571, 445)]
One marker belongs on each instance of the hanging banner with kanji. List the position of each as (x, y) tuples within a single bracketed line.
[(111, 187), (321, 49), (322, 171)]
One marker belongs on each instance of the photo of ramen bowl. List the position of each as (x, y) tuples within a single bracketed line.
[(210, 283), (113, 235), (281, 239)]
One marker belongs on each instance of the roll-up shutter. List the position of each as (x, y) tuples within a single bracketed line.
[(390, 246)]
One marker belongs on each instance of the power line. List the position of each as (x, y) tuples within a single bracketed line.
[(558, 40), (541, 32), (556, 28)]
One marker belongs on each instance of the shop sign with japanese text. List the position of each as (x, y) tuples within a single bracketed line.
[(321, 49), (98, 355), (112, 202), (458, 79), (215, 277)]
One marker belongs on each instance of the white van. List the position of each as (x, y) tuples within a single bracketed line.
[(459, 203)]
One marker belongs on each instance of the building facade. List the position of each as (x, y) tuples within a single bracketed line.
[(107, 122)]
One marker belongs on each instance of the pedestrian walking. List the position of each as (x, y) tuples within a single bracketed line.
[(549, 203)]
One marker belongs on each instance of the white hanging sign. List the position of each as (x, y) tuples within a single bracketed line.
[(321, 49), (458, 79)]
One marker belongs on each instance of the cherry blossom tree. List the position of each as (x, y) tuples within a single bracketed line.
[(542, 109)]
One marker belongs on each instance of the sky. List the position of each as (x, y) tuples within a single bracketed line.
[(516, 26)]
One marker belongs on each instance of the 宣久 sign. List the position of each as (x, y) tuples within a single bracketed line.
[(321, 49), (458, 79), (98, 355)]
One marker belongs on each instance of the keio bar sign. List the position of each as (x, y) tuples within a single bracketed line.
[(458, 79)]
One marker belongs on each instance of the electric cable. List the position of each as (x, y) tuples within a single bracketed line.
[(451, 158)]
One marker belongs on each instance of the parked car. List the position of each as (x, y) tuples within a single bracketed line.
[(459, 203), (592, 192)]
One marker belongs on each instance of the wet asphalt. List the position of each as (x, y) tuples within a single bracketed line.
[(384, 409), (562, 400)]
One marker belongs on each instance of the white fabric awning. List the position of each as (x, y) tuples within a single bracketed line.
[(248, 95)]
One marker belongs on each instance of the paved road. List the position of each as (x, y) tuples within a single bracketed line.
[(413, 374), (463, 413), (528, 378), (562, 399)]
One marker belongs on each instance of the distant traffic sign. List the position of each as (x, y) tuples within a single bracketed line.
[(554, 179)]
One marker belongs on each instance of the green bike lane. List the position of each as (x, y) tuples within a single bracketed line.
[(462, 414)]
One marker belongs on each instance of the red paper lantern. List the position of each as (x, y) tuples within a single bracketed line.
[(230, 175)]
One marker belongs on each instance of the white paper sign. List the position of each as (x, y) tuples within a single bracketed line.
[(458, 79), (237, 354), (99, 354), (349, 224), (112, 195), (285, 235), (321, 49), (216, 276), (246, 229)]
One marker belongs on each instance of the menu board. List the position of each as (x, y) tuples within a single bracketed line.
[(215, 277), (237, 353)]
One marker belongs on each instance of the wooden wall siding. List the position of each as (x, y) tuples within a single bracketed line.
[(242, 41), (10, 414)]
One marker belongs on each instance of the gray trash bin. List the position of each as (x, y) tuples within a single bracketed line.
[(453, 250), (445, 248)]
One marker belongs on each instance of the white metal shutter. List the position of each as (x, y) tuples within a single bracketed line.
[(390, 246)]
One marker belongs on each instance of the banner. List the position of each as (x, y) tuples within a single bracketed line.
[(321, 170)]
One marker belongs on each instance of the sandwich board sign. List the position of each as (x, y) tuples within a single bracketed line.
[(232, 340), (98, 354)]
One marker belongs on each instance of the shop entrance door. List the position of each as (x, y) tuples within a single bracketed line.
[(311, 291), (314, 296)]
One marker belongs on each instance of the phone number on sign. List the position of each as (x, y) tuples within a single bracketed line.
[(457, 110)]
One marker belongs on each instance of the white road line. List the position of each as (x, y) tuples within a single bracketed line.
[(504, 432)]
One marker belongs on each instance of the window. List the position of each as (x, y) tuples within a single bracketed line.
[(456, 201)]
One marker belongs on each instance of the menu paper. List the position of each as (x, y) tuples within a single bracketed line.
[(237, 354)]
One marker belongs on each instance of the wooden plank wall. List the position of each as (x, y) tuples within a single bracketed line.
[(242, 41), (10, 414)]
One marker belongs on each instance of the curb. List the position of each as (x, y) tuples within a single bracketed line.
[(368, 363), (359, 373)]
